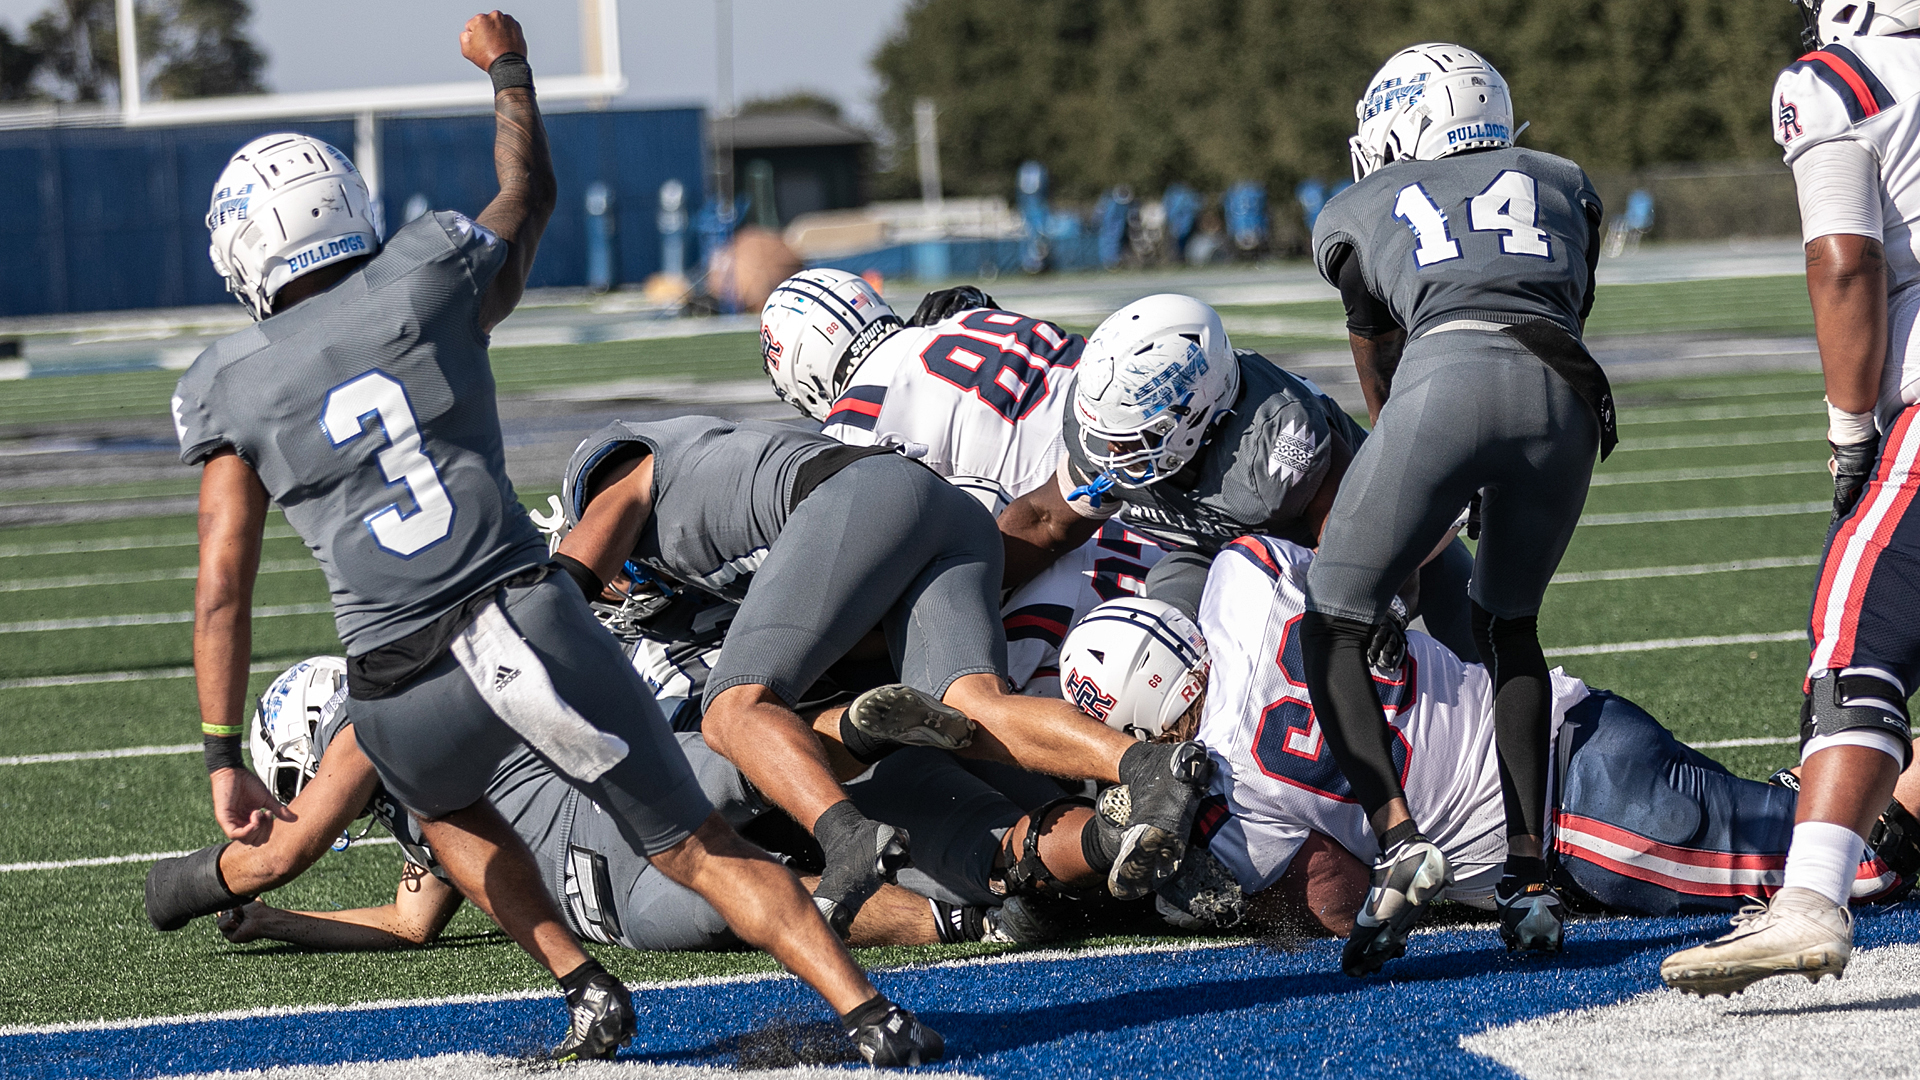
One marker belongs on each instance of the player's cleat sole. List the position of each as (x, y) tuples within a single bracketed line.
[(1404, 881), (1800, 933), (899, 713), (601, 1021), (1533, 918)]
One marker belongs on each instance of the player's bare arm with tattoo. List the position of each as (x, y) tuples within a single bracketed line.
[(521, 160)]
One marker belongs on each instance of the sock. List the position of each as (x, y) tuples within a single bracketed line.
[(1099, 845), (1398, 835), (865, 748), (957, 924), (1824, 858), (1527, 869), (576, 980)]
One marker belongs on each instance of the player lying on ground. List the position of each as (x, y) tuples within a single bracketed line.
[(1643, 824), (1465, 264), (1844, 114), (821, 543), (305, 750), (362, 403), (1192, 442)]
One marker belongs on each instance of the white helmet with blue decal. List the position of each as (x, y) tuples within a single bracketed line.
[(283, 736), (815, 328), (285, 206), (1153, 379), (1136, 665), (1429, 101)]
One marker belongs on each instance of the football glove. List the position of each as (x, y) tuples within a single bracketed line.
[(1387, 649), (949, 302), (1852, 468)]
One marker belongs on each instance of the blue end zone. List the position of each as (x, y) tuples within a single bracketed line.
[(1226, 1012)]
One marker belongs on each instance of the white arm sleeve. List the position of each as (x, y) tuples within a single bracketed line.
[(1839, 186)]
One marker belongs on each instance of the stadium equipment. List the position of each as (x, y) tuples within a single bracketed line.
[(1824, 21), (1163, 783), (601, 1020), (285, 206), (1429, 101), (1153, 379), (898, 713), (888, 1036), (1405, 878), (1136, 665), (815, 329), (281, 735), (1801, 932), (1532, 916)]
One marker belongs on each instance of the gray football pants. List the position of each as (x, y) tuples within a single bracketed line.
[(884, 542), (436, 743), (1471, 411)]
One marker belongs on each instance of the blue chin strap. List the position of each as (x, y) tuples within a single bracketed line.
[(638, 575)]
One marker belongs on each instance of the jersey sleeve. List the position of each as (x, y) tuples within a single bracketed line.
[(482, 252), (1839, 188), (198, 428), (1285, 459), (593, 453), (1333, 229), (1255, 848), (1821, 97)]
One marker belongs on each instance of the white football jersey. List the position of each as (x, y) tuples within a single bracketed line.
[(1038, 615), (1868, 91), (978, 395), (1276, 779)]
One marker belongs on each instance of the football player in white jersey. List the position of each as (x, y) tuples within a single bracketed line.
[(1847, 118), (1642, 825)]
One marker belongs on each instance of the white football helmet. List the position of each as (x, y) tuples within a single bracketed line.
[(1135, 664), (286, 205), (1153, 379), (281, 735), (1429, 101), (815, 329), (1826, 21)]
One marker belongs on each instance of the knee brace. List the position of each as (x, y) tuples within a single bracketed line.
[(1026, 873), (1837, 703)]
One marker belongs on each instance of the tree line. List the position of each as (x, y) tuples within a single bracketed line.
[(1147, 92), (188, 48)]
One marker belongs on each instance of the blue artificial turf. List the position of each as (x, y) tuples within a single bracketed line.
[(1217, 1012)]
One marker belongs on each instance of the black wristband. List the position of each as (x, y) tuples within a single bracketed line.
[(590, 584), (509, 70), (221, 752)]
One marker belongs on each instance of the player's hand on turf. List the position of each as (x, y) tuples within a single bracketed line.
[(489, 37), (243, 806), (243, 924), (948, 302), (1852, 467)]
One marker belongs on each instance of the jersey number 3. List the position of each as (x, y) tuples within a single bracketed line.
[(378, 394), (1510, 206)]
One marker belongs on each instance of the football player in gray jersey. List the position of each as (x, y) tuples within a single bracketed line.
[(823, 543), (1194, 443), (1466, 265), (362, 403)]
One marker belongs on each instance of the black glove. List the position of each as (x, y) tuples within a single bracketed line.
[(1852, 468), (1387, 649), (947, 302)]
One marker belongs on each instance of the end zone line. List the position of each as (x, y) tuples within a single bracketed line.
[(89, 678), (151, 856), (1656, 644), (123, 543), (97, 755), (177, 573)]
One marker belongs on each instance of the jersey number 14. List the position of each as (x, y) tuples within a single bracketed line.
[(1509, 206)]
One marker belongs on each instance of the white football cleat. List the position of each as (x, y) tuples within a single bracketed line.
[(1801, 933)]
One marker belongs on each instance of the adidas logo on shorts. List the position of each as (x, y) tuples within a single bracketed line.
[(503, 675)]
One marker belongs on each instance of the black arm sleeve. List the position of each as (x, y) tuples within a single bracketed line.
[(1593, 258), (1367, 317)]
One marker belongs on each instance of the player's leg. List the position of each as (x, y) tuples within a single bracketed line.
[(1446, 612)]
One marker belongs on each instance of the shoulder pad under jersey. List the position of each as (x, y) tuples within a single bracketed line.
[(1823, 95)]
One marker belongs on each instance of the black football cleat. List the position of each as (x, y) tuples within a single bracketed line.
[(1163, 784), (1533, 918), (1404, 881), (890, 1037), (601, 1017)]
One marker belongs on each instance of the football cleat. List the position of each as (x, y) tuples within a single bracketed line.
[(1404, 881), (899, 713), (1800, 933), (861, 855), (1532, 916), (1017, 921), (601, 1016), (1162, 789), (894, 1038)]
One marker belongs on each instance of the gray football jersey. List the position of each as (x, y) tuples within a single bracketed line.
[(368, 412), (1256, 474), (721, 489), (1494, 235)]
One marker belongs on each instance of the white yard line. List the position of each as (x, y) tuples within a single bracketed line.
[(1657, 644), (89, 678), (1732, 438), (1762, 740), (1710, 472), (1710, 513), (157, 618), (151, 856), (98, 755), (1636, 573), (1695, 413), (122, 543), (172, 573)]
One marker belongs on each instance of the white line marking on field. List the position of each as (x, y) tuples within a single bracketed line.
[(1734, 438), (1711, 472), (1656, 644), (1692, 413), (1025, 957), (88, 678), (99, 755), (157, 618), (122, 543), (1636, 573), (174, 573), (151, 856), (1709, 513), (486, 1067), (1759, 740)]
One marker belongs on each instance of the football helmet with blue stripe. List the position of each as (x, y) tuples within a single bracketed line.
[(815, 329), (1135, 664), (1429, 101)]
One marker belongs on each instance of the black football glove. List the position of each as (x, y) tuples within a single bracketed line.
[(948, 302), (1387, 649), (1852, 468)]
